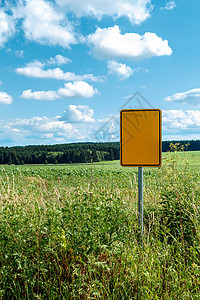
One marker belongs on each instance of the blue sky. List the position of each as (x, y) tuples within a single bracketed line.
[(67, 67)]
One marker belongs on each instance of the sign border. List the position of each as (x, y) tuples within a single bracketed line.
[(160, 139)]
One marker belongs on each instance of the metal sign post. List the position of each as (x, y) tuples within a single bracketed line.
[(140, 200)]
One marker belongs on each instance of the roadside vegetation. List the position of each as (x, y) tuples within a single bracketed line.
[(71, 232)]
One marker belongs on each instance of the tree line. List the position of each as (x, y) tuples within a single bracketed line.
[(187, 145), (75, 152), (59, 154)]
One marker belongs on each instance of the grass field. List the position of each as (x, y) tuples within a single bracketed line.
[(71, 231)]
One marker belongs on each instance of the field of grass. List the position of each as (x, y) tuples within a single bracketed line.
[(71, 231), (190, 158)]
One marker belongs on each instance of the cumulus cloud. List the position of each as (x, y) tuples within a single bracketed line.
[(77, 89), (7, 27), (36, 69), (121, 70), (40, 124), (191, 96), (76, 124), (58, 60), (37, 130), (5, 98), (44, 24), (110, 43), (35, 64), (78, 113), (55, 125), (136, 10), (70, 90), (179, 121), (56, 73), (40, 95)]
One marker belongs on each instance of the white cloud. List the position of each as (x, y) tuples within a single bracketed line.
[(110, 43), (36, 69), (32, 70), (191, 96), (58, 60), (44, 24), (35, 64), (40, 95), (70, 90), (55, 125), (38, 124), (37, 130), (170, 5), (179, 121), (121, 70), (136, 10), (7, 27), (5, 98), (78, 113), (77, 125), (77, 89)]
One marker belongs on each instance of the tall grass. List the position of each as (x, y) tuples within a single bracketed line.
[(72, 233)]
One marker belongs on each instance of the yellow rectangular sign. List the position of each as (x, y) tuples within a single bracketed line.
[(140, 137)]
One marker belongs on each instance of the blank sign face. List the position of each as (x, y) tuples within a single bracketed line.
[(140, 137)]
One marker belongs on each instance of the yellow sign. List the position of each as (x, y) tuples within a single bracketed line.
[(140, 137)]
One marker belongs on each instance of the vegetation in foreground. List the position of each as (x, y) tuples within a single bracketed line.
[(72, 233)]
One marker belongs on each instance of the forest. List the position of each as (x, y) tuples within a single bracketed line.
[(75, 152)]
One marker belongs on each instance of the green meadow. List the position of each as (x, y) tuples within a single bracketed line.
[(71, 231)]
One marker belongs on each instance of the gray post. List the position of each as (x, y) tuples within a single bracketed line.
[(140, 199)]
